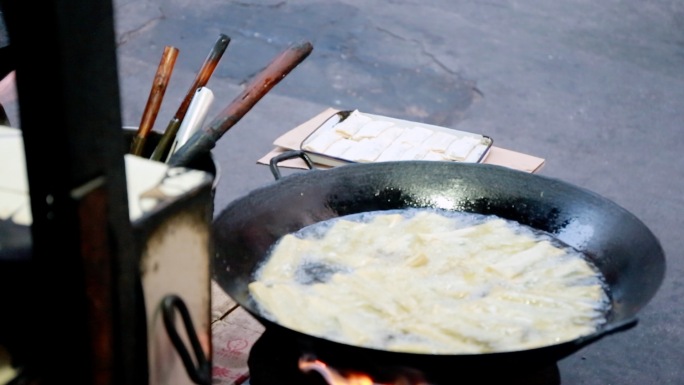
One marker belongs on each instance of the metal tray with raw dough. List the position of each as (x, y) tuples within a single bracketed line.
[(356, 137)]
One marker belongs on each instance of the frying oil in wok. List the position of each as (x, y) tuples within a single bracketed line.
[(430, 281)]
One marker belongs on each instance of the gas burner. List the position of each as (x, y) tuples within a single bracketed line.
[(275, 360)]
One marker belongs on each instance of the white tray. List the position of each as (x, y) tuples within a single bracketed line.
[(356, 137)]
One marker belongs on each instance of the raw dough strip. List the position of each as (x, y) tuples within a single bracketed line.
[(438, 141), (394, 152), (366, 150), (338, 148), (321, 142), (414, 135), (351, 124), (460, 148), (372, 129)]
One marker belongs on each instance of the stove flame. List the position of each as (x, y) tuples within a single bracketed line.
[(333, 376)]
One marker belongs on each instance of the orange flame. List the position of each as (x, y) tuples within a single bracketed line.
[(334, 377)]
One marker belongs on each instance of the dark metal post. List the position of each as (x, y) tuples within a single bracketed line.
[(91, 327)]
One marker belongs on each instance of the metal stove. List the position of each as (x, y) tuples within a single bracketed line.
[(273, 360)]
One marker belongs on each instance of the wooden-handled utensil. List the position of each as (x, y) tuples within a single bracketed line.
[(201, 80), (204, 140), (154, 101)]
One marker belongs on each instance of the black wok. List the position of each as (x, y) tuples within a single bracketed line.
[(623, 248)]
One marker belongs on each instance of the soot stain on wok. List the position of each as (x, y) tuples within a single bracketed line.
[(386, 198), (520, 210)]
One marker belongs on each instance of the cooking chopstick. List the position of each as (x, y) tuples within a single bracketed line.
[(201, 80), (154, 100), (204, 140)]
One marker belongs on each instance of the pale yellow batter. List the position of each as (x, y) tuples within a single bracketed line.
[(428, 283)]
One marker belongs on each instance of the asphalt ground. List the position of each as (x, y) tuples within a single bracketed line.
[(595, 88)]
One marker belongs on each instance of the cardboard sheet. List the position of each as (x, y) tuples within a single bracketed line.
[(292, 139), (232, 340)]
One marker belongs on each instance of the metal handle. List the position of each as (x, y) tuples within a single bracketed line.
[(273, 163), (200, 374)]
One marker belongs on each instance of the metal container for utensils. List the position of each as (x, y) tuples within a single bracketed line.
[(173, 233)]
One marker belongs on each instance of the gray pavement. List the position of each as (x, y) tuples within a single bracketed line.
[(594, 87)]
